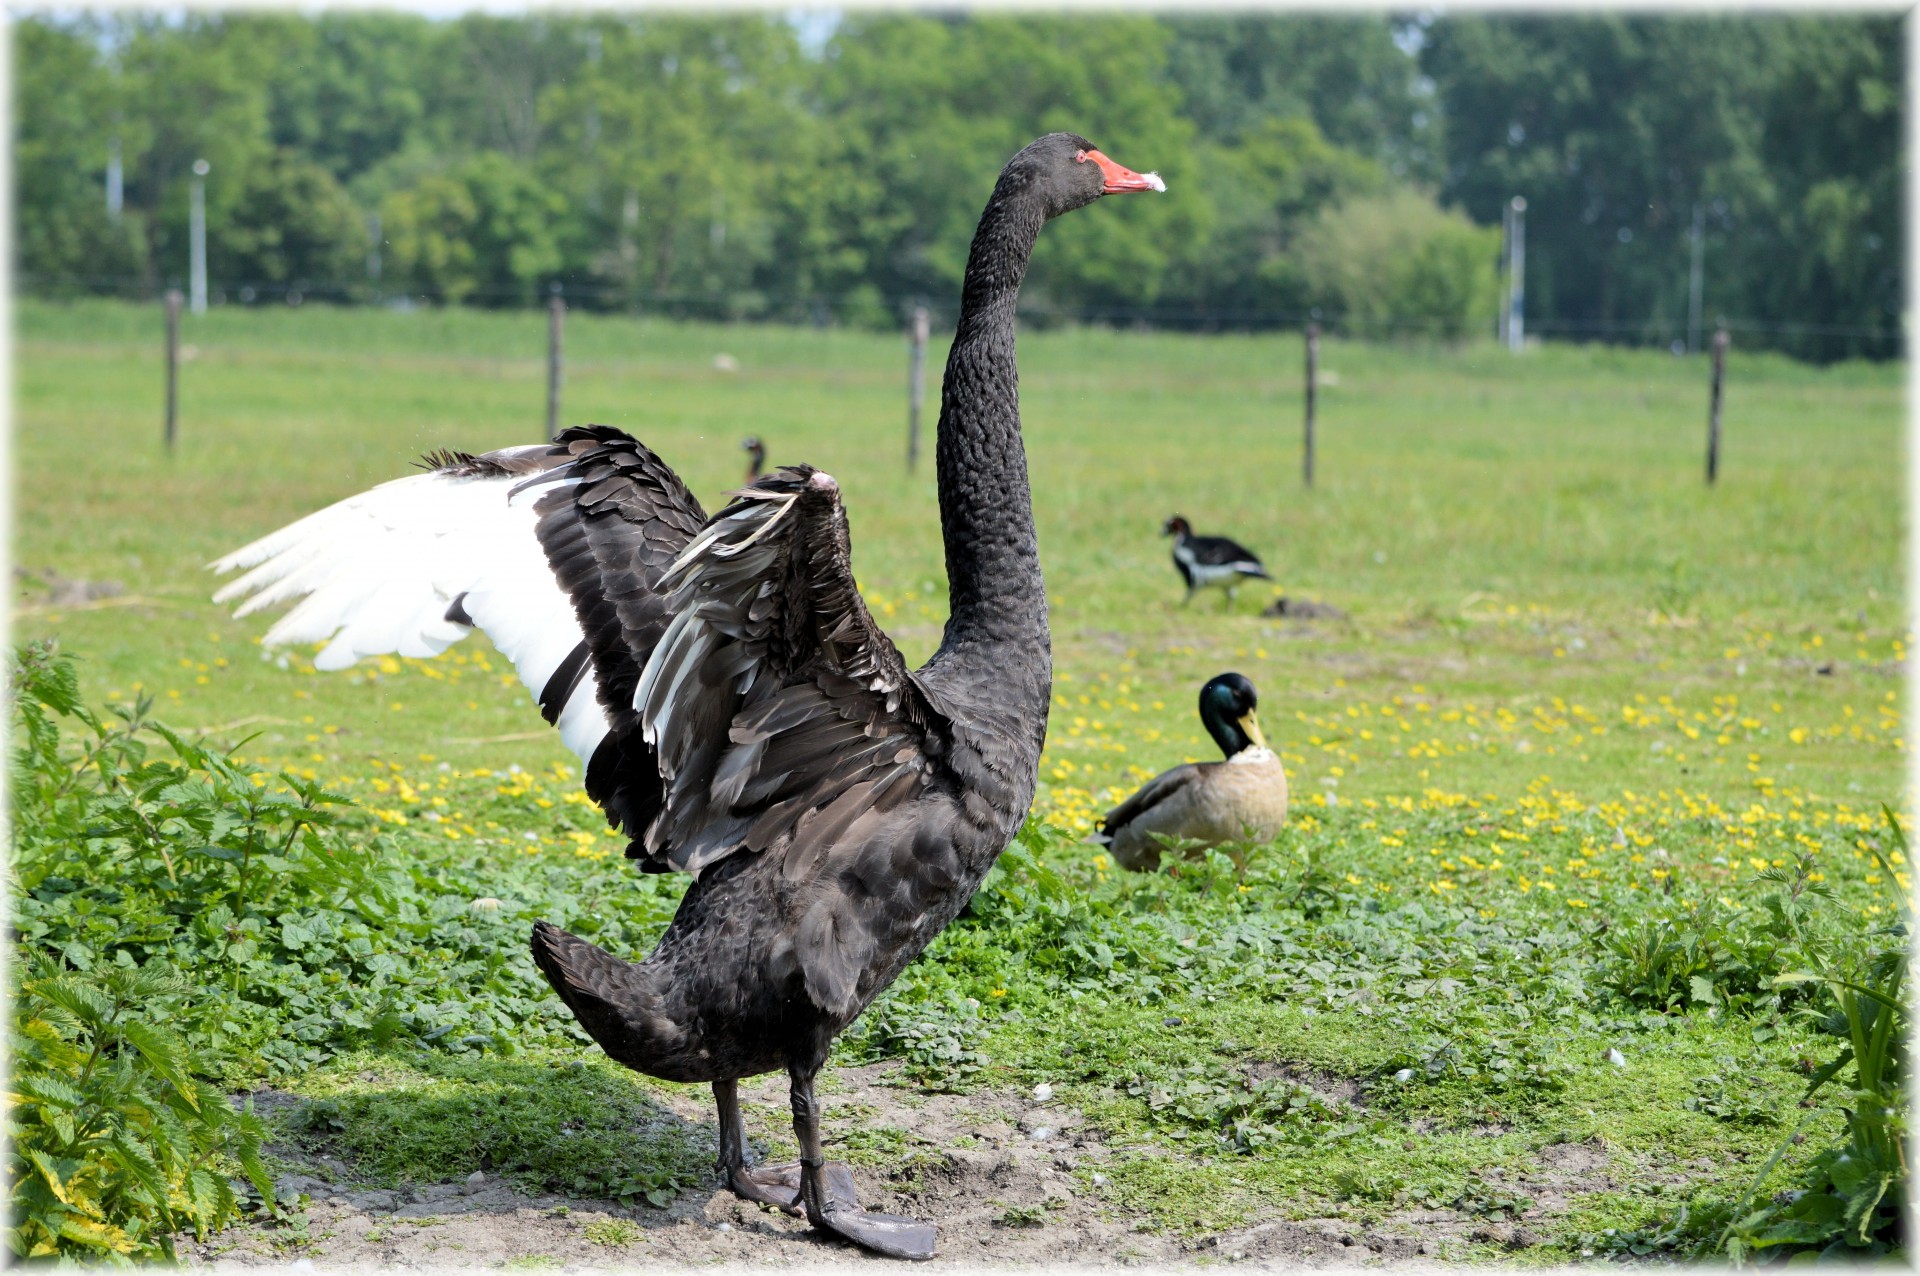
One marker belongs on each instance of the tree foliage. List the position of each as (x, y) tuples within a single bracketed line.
[(1783, 133), (724, 166)]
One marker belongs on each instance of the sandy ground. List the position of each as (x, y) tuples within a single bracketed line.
[(981, 1156)]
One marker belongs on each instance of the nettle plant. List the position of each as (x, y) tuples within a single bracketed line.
[(115, 1145), (117, 1141), (305, 933)]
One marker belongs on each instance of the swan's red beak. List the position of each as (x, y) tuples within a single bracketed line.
[(1120, 178)]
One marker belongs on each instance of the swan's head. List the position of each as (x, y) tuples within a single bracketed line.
[(1067, 172), (1227, 706), (1176, 526), (752, 444)]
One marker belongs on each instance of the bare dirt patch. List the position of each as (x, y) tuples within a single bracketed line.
[(1007, 1178)]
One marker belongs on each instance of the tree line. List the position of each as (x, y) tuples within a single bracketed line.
[(1351, 169)]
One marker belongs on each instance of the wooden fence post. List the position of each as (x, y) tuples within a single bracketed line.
[(173, 365), (1713, 411), (1313, 385), (556, 312), (916, 384)]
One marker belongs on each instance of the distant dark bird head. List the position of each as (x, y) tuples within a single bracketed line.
[(1066, 172), (1176, 526), (1227, 706), (756, 456)]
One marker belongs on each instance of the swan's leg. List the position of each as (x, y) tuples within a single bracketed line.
[(831, 1205), (776, 1185)]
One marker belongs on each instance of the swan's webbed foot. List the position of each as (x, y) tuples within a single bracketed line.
[(775, 1185), (885, 1234), (779, 1186), (827, 1191), (832, 1206)]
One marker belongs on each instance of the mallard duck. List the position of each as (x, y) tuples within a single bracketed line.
[(756, 456), (740, 715), (1204, 561), (1243, 799)]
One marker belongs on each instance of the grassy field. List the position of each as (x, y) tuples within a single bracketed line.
[(1579, 696)]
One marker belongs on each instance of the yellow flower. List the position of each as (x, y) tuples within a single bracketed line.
[(998, 992)]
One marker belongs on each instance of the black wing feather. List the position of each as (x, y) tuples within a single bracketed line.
[(782, 712), (1219, 551), (614, 523)]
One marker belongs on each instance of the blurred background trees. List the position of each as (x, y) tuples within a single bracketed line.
[(1351, 169)]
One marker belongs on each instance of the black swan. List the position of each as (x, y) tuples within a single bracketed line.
[(1210, 560), (756, 456), (740, 715), (1243, 799)]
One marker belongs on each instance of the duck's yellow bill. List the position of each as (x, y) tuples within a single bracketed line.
[(1251, 725)]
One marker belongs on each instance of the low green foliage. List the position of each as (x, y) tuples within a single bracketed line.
[(1404, 1048), (1246, 1115), (1693, 950), (1021, 1216), (114, 1144), (306, 937), (1851, 1199)]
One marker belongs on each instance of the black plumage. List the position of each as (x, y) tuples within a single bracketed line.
[(1204, 561), (761, 732)]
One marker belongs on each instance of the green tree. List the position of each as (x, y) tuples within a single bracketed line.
[(65, 107), (931, 109), (1822, 247), (1263, 191), (194, 89), (1615, 128), (484, 78), (292, 223), (487, 230), (1398, 265), (678, 132), (1348, 74), (349, 92)]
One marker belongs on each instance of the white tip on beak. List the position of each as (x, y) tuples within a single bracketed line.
[(1154, 180)]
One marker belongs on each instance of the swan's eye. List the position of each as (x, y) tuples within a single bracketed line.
[(1079, 157)]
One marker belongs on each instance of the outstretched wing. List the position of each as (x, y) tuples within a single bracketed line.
[(555, 550), (786, 720)]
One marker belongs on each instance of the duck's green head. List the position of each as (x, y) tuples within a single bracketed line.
[(1226, 707)]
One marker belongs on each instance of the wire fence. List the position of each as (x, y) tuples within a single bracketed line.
[(1816, 340)]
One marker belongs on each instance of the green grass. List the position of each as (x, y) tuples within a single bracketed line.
[(1582, 705)]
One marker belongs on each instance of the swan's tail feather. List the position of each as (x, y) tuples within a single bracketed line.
[(598, 987)]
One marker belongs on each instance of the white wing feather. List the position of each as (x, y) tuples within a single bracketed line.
[(377, 572)]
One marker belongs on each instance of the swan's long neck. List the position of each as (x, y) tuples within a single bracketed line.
[(997, 598)]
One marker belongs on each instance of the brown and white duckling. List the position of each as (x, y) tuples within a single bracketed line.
[(1243, 799)]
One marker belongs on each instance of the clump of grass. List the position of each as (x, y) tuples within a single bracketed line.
[(613, 1232)]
